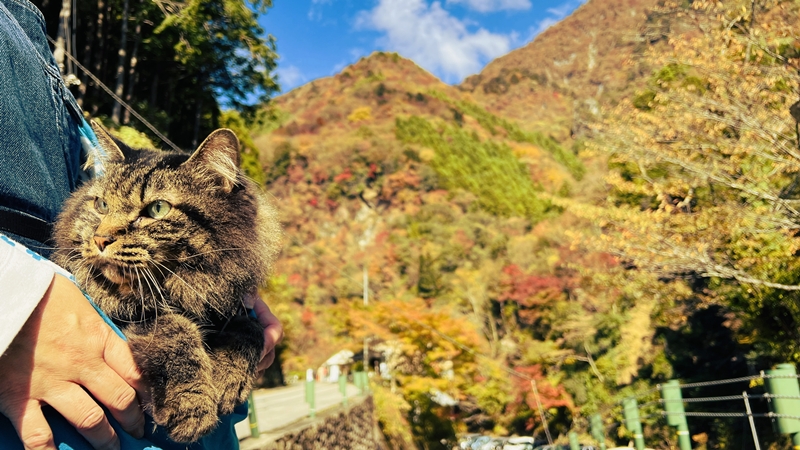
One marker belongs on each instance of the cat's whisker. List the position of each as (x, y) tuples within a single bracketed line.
[(196, 255), (158, 264), (74, 255), (152, 295), (150, 277), (141, 290)]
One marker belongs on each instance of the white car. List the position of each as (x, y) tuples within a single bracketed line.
[(519, 443)]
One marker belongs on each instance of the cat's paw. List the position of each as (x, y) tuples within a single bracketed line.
[(188, 417), (233, 392)]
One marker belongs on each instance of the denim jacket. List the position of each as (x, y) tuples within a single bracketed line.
[(40, 148)]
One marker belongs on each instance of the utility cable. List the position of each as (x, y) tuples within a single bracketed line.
[(119, 100)]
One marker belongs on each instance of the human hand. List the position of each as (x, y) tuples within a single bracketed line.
[(273, 330), (64, 348)]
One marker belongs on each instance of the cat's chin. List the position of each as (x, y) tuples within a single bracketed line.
[(114, 274)]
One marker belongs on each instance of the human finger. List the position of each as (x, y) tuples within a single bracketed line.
[(120, 399), (32, 427), (86, 416), (273, 330), (251, 298), (117, 354), (266, 361)]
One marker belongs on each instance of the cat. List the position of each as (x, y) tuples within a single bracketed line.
[(167, 245)]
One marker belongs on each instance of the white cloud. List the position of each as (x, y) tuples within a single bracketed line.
[(494, 5), (290, 77), (564, 9), (433, 38), (315, 11), (542, 25), (556, 15)]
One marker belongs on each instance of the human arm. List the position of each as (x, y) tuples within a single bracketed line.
[(62, 348)]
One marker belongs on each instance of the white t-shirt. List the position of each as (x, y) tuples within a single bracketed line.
[(24, 279)]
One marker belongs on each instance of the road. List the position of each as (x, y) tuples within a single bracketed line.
[(279, 407)]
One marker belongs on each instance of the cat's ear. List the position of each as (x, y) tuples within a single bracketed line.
[(107, 143), (219, 154)]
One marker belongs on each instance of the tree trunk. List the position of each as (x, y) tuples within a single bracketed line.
[(126, 117), (63, 34), (120, 84), (154, 91), (198, 114), (87, 60), (99, 54)]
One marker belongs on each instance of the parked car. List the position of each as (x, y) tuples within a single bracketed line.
[(564, 447), (519, 443), (465, 442), (479, 442), (493, 444)]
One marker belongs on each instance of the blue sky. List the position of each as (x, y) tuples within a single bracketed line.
[(450, 38)]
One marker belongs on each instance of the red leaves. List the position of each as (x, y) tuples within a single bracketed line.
[(373, 171), (344, 176), (550, 396), (529, 290)]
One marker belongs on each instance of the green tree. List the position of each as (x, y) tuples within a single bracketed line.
[(224, 49), (185, 62)]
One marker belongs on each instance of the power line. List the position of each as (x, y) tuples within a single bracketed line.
[(119, 100)]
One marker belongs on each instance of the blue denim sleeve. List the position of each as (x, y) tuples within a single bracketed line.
[(40, 158)]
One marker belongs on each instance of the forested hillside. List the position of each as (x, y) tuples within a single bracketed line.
[(589, 281), (610, 207)]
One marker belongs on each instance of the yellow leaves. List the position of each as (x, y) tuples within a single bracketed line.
[(360, 114), (427, 155)]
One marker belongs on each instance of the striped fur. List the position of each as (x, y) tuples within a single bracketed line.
[(175, 283)]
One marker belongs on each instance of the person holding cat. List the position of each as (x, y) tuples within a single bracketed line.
[(59, 360)]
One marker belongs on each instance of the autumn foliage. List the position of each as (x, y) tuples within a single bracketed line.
[(499, 251)]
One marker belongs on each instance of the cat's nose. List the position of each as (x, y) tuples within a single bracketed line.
[(102, 241)]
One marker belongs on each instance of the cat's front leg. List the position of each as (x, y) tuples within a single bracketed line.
[(235, 352), (174, 362)]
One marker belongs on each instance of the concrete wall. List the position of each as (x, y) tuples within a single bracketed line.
[(337, 429)]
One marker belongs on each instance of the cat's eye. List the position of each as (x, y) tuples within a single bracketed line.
[(158, 209), (100, 205)]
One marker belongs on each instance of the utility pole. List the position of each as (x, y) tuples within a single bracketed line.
[(366, 354), (366, 286)]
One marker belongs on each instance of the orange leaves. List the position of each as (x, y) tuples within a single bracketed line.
[(551, 396), (399, 180), (344, 176), (530, 291)]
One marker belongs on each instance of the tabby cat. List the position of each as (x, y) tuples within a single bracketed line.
[(167, 245)]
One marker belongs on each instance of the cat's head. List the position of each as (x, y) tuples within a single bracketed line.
[(169, 226)]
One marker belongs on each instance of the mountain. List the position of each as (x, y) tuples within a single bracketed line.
[(570, 69), (358, 108), (440, 199)]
